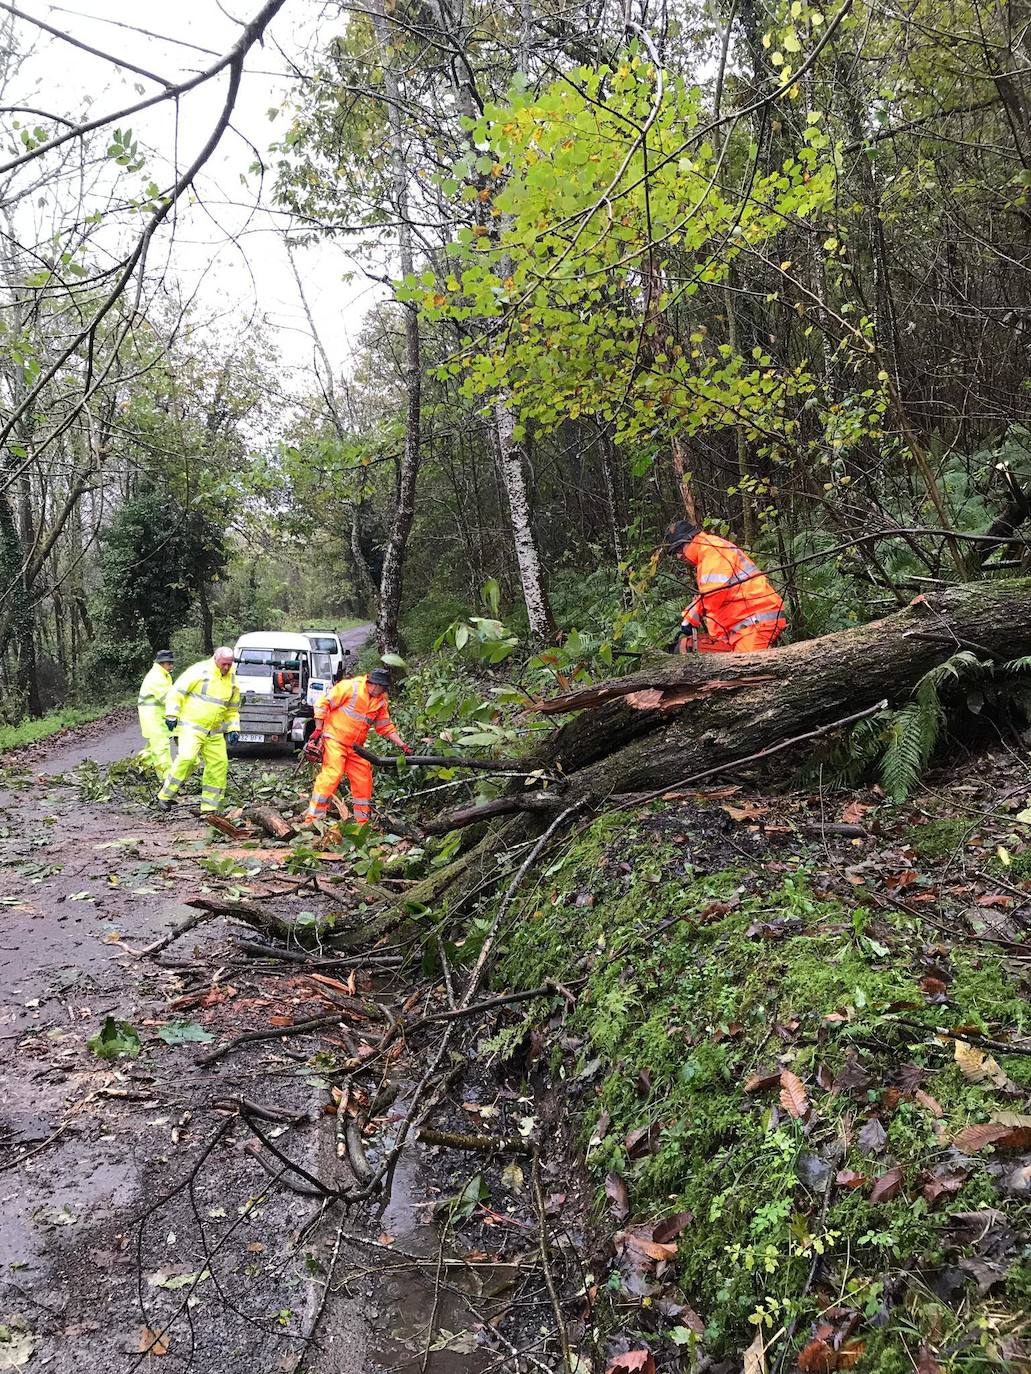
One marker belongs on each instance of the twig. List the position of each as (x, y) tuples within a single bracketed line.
[(456, 1013), (475, 1144), (297, 956), (274, 1033), (641, 799), (538, 1200), (446, 969), (189, 923), (487, 947), (321, 1307), (288, 1163), (516, 766)]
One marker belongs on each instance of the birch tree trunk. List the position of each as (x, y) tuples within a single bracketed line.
[(531, 575)]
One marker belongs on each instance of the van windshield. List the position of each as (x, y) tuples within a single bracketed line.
[(268, 659), (324, 643)]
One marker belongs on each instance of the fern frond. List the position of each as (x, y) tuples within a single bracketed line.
[(953, 669), (903, 756), (1018, 665)]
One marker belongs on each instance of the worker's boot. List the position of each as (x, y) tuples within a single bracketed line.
[(163, 804)]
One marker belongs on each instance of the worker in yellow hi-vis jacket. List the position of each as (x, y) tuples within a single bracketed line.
[(157, 748), (203, 706)]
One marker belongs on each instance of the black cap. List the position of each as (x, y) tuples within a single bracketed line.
[(164, 656), (381, 676), (681, 532)]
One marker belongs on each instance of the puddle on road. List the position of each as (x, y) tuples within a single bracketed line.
[(402, 1303)]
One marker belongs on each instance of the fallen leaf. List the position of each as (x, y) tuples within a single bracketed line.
[(644, 1245), (512, 1177), (926, 1362), (848, 1178), (942, 1186), (755, 1356), (931, 1103), (615, 1191), (184, 1033), (672, 1226), (793, 1094), (850, 1354), (151, 1342), (762, 1082), (888, 1186), (817, 1357), (934, 987), (873, 1137), (1011, 1118), (855, 811), (978, 1066), (744, 811), (641, 1141), (974, 1138), (634, 1359), (16, 1343)]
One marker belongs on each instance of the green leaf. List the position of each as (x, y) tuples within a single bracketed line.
[(115, 1039), (393, 660)]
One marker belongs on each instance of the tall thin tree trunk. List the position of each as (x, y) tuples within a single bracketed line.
[(388, 631), (207, 621), (531, 574)]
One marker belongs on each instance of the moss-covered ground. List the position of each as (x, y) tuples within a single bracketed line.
[(700, 990)]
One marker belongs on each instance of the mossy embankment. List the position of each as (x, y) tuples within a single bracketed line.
[(710, 972)]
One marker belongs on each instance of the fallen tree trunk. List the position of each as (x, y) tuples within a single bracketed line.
[(657, 727)]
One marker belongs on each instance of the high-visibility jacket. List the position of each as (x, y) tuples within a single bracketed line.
[(206, 699), (151, 699), (347, 710), (733, 594)]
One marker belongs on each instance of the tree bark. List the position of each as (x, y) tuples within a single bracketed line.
[(388, 632), (657, 727), (531, 574)]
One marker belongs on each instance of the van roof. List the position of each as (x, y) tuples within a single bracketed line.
[(272, 639)]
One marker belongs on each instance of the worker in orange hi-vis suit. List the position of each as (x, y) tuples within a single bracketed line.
[(343, 717), (737, 609)]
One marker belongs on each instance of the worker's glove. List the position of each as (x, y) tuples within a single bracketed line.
[(406, 749), (171, 722), (232, 737)]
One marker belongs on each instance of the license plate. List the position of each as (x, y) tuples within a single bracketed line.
[(252, 739)]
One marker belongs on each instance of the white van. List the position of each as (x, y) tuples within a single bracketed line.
[(281, 676), (329, 642)]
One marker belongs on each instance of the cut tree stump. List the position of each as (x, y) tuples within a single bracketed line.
[(271, 822)]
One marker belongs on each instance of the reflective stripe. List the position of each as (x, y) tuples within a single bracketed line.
[(150, 701), (761, 619), (721, 578), (200, 729), (349, 709)]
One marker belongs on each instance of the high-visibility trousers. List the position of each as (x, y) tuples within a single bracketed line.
[(338, 759), (195, 744), (749, 637), (157, 742)]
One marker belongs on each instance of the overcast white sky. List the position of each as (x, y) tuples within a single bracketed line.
[(224, 243)]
